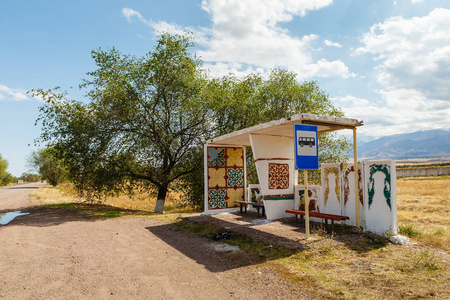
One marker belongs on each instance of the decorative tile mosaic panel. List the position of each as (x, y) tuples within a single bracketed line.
[(235, 177), (217, 198), (278, 176), (216, 157), (216, 177), (225, 176), (235, 157), (235, 195)]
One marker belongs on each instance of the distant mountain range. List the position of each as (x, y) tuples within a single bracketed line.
[(420, 144)]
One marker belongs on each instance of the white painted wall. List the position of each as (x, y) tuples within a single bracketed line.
[(331, 198), (377, 217), (280, 150), (349, 207), (380, 218)]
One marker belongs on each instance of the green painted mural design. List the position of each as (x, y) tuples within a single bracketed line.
[(256, 195), (217, 198), (385, 169), (235, 177)]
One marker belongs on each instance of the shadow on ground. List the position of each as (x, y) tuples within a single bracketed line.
[(53, 215), (284, 237), (262, 246), (22, 188)]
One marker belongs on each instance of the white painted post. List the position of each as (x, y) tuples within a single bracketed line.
[(355, 163)]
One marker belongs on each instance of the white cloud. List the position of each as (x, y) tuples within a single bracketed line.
[(130, 14), (331, 44), (246, 36), (399, 111), (7, 93), (163, 26), (414, 53)]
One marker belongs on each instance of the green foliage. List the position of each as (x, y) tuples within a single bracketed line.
[(252, 100), (144, 118), (49, 166), (3, 167), (28, 177), (408, 230), (5, 177), (240, 103)]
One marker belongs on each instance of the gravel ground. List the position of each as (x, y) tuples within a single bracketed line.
[(58, 254)]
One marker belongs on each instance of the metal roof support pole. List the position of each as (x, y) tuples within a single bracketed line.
[(305, 178), (355, 163)]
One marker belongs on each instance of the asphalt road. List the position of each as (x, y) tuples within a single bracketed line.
[(17, 197)]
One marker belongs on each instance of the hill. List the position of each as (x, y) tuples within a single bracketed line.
[(420, 144)]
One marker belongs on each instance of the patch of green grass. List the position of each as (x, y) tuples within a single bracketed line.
[(202, 229), (109, 214), (409, 230), (65, 206)]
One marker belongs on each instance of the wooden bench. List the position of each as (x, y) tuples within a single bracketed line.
[(254, 204), (312, 214)]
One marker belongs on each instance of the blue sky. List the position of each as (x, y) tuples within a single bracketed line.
[(384, 62)]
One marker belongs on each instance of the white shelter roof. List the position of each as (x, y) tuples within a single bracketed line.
[(284, 127)]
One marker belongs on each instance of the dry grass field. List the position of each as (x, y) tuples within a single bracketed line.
[(65, 193), (423, 209)]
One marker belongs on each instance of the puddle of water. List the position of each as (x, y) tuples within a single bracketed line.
[(9, 216)]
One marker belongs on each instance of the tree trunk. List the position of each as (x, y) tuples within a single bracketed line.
[(162, 192)]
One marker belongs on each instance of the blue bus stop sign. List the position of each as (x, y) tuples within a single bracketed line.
[(306, 147)]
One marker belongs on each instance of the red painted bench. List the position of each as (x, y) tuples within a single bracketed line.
[(312, 214), (254, 204)]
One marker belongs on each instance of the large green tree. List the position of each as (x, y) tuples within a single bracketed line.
[(144, 120)]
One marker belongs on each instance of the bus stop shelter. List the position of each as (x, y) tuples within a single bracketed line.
[(272, 145)]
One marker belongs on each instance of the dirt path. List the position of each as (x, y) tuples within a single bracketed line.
[(56, 254)]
